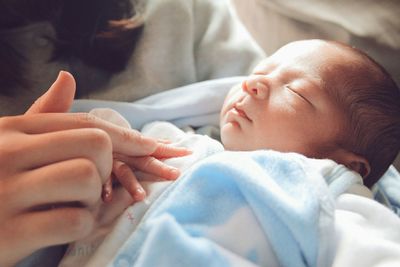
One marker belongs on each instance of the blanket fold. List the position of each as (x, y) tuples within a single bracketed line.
[(195, 221)]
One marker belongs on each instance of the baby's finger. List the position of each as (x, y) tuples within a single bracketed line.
[(127, 178), (106, 193), (166, 151), (121, 200), (151, 165), (163, 141)]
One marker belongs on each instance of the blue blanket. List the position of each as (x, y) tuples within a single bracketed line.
[(279, 200)]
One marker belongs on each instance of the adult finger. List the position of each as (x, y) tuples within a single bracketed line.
[(128, 180), (127, 141), (78, 178), (45, 228), (58, 98), (150, 165), (40, 150)]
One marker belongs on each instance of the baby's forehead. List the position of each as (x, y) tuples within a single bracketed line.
[(300, 56)]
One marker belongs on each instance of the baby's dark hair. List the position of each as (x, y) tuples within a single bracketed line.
[(101, 33), (371, 101)]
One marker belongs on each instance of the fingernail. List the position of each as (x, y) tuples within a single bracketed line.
[(164, 141), (106, 195), (62, 72), (140, 194), (175, 172), (189, 151)]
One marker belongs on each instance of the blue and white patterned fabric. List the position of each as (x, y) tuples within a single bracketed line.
[(387, 190), (239, 209)]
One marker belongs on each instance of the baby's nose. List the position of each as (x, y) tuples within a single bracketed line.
[(257, 86)]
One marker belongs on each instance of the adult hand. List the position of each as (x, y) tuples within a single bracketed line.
[(58, 98), (52, 168)]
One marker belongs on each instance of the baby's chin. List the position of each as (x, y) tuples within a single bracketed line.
[(228, 139), (232, 144), (235, 147)]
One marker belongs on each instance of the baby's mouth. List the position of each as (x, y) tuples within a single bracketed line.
[(241, 113)]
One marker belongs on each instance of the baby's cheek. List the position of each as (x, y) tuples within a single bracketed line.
[(233, 93), (224, 137), (229, 137), (232, 97)]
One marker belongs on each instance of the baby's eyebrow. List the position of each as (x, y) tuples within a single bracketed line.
[(296, 72)]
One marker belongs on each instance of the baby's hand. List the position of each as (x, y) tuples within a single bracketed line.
[(124, 167)]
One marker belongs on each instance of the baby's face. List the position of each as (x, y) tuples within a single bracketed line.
[(283, 105)]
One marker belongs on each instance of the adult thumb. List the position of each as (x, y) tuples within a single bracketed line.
[(58, 98)]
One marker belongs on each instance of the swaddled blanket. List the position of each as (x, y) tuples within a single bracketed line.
[(241, 209), (231, 209)]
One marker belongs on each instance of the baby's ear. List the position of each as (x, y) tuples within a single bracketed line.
[(352, 161), (361, 166)]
